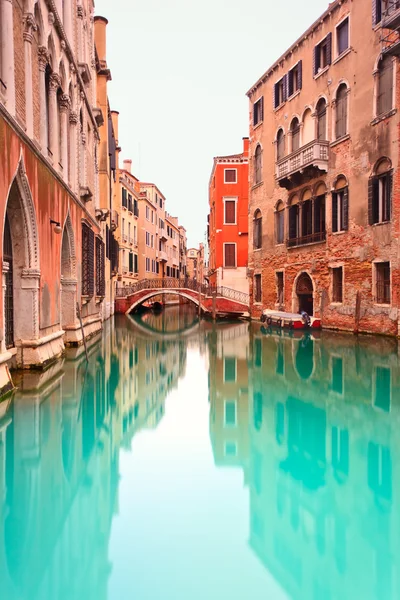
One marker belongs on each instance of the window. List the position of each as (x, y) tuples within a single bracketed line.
[(257, 289), (341, 111), (257, 230), (381, 8), (342, 36), (230, 176), (230, 413), (382, 271), (100, 269), (130, 262), (295, 78), (258, 111), (258, 165), (323, 54), (340, 209), (280, 144), (229, 369), (130, 207), (380, 194), (87, 261), (124, 198), (280, 288), (135, 264), (280, 223), (148, 265), (280, 92), (382, 388), (337, 284), (295, 131), (147, 213), (230, 255), (293, 222), (147, 239), (321, 119), (385, 86), (230, 212)]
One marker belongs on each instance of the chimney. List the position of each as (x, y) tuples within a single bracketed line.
[(100, 38), (128, 165), (246, 145)]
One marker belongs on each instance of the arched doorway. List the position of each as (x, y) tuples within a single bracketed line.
[(304, 291), (68, 277), (8, 286)]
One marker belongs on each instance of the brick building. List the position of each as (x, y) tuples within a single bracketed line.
[(51, 204), (228, 220), (324, 201)]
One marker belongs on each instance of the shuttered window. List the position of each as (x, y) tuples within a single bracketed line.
[(230, 212), (340, 210), (135, 264), (380, 198), (230, 175), (382, 271), (100, 268), (341, 112), (295, 131), (257, 288), (337, 284), (295, 79), (258, 111), (342, 33), (87, 261), (257, 231), (294, 222), (258, 165), (130, 262), (323, 54), (280, 91), (230, 255), (280, 225), (385, 86), (124, 198), (321, 120), (280, 144)]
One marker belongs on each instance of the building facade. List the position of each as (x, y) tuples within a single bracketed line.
[(51, 126), (172, 246), (228, 220), (126, 223), (324, 194), (152, 232)]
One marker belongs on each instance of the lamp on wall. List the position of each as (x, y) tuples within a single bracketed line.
[(57, 226)]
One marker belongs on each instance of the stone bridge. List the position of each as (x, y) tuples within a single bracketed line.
[(225, 300)]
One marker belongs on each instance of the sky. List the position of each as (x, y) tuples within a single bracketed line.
[(180, 72)]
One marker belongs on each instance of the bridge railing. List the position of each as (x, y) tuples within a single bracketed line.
[(172, 283)]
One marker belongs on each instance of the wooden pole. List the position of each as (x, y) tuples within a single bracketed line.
[(357, 312), (214, 305), (78, 310)]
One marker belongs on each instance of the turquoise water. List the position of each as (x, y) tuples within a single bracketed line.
[(189, 461)]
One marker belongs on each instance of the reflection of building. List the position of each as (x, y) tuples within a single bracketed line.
[(228, 220), (323, 492), (228, 394)]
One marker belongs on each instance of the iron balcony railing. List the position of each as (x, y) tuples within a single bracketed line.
[(306, 239), (391, 16), (315, 153), (184, 283)]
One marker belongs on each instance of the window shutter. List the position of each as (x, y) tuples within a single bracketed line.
[(261, 116), (293, 222), (329, 48), (345, 209), (130, 262), (371, 187), (276, 96), (376, 12), (285, 87), (290, 83), (300, 74), (316, 60), (135, 263), (389, 186), (334, 212)]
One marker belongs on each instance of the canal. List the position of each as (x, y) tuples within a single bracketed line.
[(189, 461)]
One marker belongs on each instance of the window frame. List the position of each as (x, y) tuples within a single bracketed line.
[(230, 199), (279, 214), (377, 182), (258, 111), (317, 68), (257, 298), (342, 85), (257, 222), (378, 112), (341, 197), (338, 26), (334, 295), (230, 425), (234, 170), (381, 300), (234, 359), (296, 69), (224, 246), (258, 170)]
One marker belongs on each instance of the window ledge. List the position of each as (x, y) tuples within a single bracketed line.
[(258, 125), (384, 116), (321, 72), (257, 249), (256, 185), (294, 95), (345, 53), (306, 245), (380, 305), (340, 232), (278, 108), (257, 303), (381, 223), (344, 138), (336, 303), (280, 244)]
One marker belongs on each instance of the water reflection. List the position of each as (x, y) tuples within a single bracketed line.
[(311, 422)]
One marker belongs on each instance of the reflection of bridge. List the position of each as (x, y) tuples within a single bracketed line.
[(226, 300)]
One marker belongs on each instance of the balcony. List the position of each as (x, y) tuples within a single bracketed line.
[(124, 238), (162, 256), (131, 240), (313, 155), (162, 235), (391, 16), (313, 238)]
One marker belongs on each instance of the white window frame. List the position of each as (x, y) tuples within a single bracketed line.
[(230, 199), (234, 402), (230, 358), (336, 41), (236, 176), (229, 244), (261, 120)]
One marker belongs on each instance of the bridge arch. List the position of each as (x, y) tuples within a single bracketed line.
[(159, 292)]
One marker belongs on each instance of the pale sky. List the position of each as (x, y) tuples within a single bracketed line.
[(180, 72)]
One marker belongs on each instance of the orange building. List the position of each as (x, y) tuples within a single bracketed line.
[(228, 220)]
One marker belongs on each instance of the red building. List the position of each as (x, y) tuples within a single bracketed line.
[(228, 220)]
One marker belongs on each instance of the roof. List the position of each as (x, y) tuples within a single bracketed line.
[(332, 6), (152, 185)]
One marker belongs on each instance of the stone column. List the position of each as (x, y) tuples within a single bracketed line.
[(65, 104), (7, 53), (29, 27), (73, 120), (43, 61), (55, 83)]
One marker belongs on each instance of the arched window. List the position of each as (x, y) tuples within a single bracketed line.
[(61, 139), (340, 205), (280, 223), (321, 120), (258, 165), (380, 193), (385, 86), (257, 230), (341, 111), (308, 133), (47, 82), (295, 131), (280, 144)]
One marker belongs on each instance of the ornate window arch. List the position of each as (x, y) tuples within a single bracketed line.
[(280, 144), (258, 164), (380, 192), (341, 111), (295, 133), (257, 230)]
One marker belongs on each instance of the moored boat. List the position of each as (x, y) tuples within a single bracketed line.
[(275, 318)]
